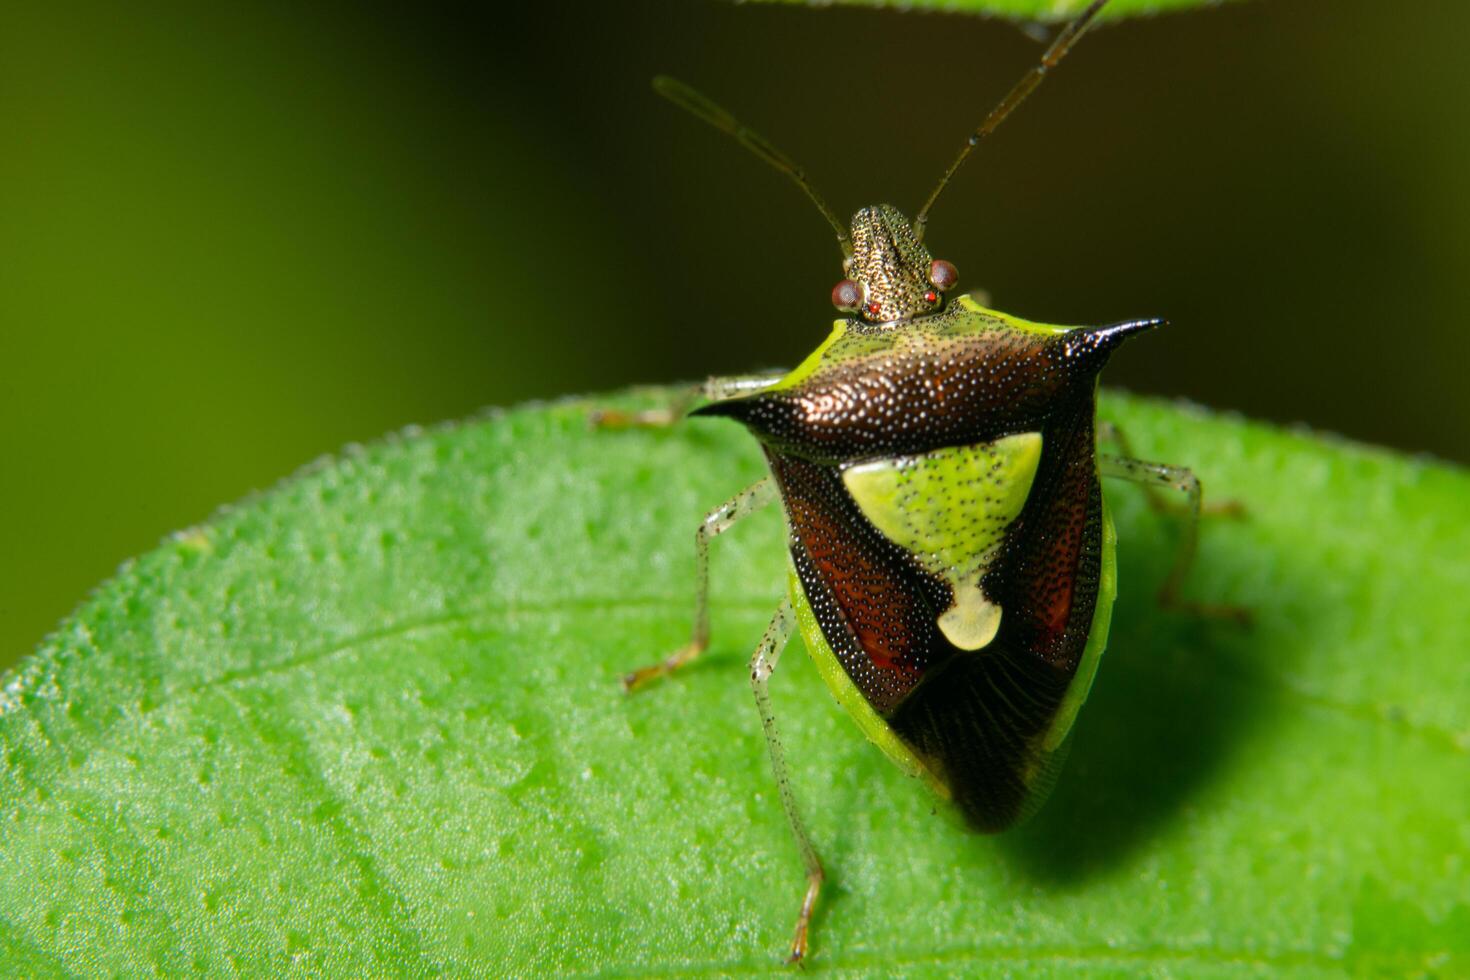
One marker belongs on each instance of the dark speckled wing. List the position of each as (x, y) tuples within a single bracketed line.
[(877, 609)]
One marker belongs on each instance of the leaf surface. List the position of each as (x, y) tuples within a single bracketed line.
[(1045, 11), (368, 724)]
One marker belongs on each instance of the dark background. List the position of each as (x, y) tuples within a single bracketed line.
[(235, 238)]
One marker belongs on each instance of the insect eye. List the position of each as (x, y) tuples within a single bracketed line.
[(847, 296), (943, 274)]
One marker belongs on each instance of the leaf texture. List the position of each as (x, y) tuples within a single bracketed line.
[(368, 724)]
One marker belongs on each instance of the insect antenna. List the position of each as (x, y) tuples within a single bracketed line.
[(1058, 50), (687, 98)]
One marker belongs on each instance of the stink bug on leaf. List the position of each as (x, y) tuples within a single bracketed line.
[(952, 556)]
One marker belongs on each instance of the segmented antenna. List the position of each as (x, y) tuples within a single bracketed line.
[(1058, 50), (687, 98)]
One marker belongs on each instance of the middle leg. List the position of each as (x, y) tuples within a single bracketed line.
[(715, 523), (1157, 476)]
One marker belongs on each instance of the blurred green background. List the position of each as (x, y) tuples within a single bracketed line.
[(236, 237)]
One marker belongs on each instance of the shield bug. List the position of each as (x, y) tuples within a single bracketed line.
[(952, 556)]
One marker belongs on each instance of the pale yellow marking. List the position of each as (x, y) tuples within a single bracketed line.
[(972, 621), (950, 509)]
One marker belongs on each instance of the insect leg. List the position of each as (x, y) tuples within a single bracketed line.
[(733, 386), (712, 389), (716, 522), (1154, 476), (1157, 500), (762, 665)]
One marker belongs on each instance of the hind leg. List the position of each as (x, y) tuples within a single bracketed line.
[(762, 666)]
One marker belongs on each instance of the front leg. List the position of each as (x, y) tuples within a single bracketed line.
[(712, 389)]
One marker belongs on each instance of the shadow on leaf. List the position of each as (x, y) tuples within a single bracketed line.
[(1174, 697)]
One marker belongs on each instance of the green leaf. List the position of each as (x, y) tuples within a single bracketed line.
[(1047, 11), (368, 724)]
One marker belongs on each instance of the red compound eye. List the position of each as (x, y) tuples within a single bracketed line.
[(943, 274), (874, 309), (847, 296), (931, 297)]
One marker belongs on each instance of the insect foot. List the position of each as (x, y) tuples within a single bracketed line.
[(635, 679)]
